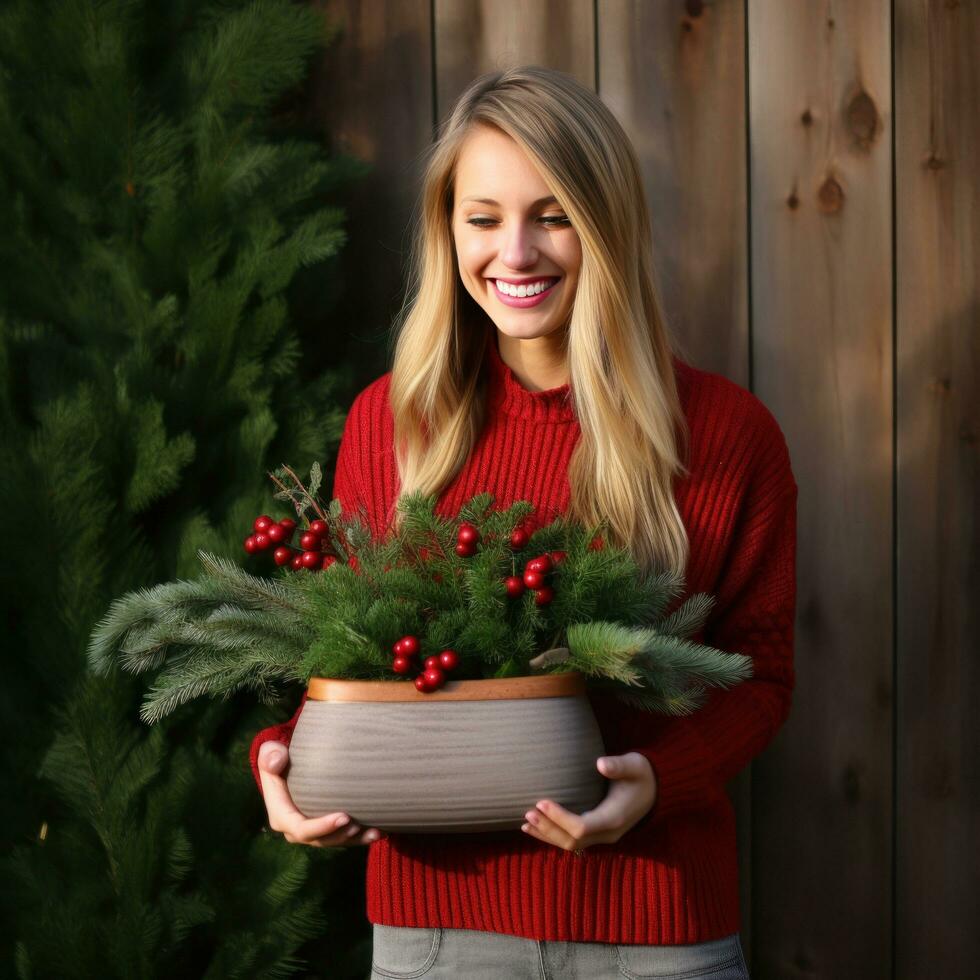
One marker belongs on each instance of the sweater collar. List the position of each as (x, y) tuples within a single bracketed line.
[(508, 395)]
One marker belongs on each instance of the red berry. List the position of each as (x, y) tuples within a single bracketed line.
[(437, 577), (401, 665), (540, 564), (432, 662), (309, 541), (311, 559), (250, 546), (515, 586), (434, 677), (448, 659), (544, 595), (353, 562), (261, 523), (282, 555), (319, 527), (519, 538), (558, 556), (424, 553), (468, 534), (328, 560), (533, 580), (465, 550), (276, 533), (595, 544), (410, 646), (262, 541), (288, 524), (297, 563), (422, 684)]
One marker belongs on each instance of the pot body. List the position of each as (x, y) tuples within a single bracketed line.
[(473, 757)]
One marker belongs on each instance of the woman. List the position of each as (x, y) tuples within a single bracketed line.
[(532, 362)]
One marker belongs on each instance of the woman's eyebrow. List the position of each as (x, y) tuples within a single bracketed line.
[(550, 199)]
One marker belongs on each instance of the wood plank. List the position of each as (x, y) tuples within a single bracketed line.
[(477, 36), (674, 74), (938, 361), (371, 97), (821, 269)]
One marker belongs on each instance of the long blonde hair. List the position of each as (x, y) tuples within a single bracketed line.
[(633, 430)]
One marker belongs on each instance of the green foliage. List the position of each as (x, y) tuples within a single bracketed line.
[(154, 215), (239, 631)]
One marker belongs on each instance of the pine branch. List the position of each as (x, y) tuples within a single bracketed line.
[(272, 594), (216, 673), (143, 608), (689, 617)]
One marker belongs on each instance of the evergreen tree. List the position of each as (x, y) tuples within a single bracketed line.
[(156, 211)]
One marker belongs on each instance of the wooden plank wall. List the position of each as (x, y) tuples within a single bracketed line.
[(812, 175)]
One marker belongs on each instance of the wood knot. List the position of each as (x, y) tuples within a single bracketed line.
[(694, 8), (807, 118), (940, 386), (792, 202), (935, 162), (863, 120), (830, 196)]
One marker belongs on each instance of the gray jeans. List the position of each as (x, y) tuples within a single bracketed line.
[(470, 954)]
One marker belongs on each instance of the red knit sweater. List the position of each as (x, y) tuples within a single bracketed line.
[(673, 877)]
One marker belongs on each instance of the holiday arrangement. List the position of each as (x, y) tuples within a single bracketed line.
[(478, 597)]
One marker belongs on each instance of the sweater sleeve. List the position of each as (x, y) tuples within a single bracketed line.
[(345, 486), (694, 756)]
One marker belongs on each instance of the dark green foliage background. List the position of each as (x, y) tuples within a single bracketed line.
[(164, 224)]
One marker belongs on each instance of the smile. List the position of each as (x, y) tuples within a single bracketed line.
[(525, 295)]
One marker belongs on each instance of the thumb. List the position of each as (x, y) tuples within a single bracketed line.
[(273, 757), (610, 765)]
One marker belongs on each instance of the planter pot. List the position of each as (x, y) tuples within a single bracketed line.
[(473, 756)]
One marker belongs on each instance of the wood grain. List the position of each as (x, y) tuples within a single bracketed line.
[(937, 811)]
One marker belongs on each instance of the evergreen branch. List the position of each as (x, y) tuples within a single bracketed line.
[(713, 667), (272, 594), (216, 674), (689, 617), (142, 608)]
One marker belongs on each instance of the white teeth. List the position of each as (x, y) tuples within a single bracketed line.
[(524, 290)]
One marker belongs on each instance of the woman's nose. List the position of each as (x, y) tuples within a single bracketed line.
[(518, 249)]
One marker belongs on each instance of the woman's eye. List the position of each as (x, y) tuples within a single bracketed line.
[(551, 220)]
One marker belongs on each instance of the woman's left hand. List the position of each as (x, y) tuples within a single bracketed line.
[(632, 793)]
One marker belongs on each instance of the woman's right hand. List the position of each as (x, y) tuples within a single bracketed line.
[(330, 830)]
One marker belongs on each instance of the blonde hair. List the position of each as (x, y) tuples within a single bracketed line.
[(619, 354)]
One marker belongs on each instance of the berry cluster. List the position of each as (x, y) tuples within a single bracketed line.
[(433, 674), (534, 577), (535, 570), (313, 541)]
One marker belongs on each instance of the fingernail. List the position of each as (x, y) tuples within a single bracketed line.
[(371, 835), (276, 758), (343, 821)]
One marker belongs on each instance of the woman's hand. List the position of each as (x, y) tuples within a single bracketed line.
[(631, 795), (330, 830)]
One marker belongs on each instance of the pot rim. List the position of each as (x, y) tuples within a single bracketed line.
[(565, 684)]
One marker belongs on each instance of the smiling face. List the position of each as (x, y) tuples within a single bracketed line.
[(508, 226)]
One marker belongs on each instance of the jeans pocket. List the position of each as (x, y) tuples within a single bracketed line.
[(719, 959), (402, 952)]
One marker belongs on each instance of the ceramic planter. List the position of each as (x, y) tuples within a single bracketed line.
[(473, 756)]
